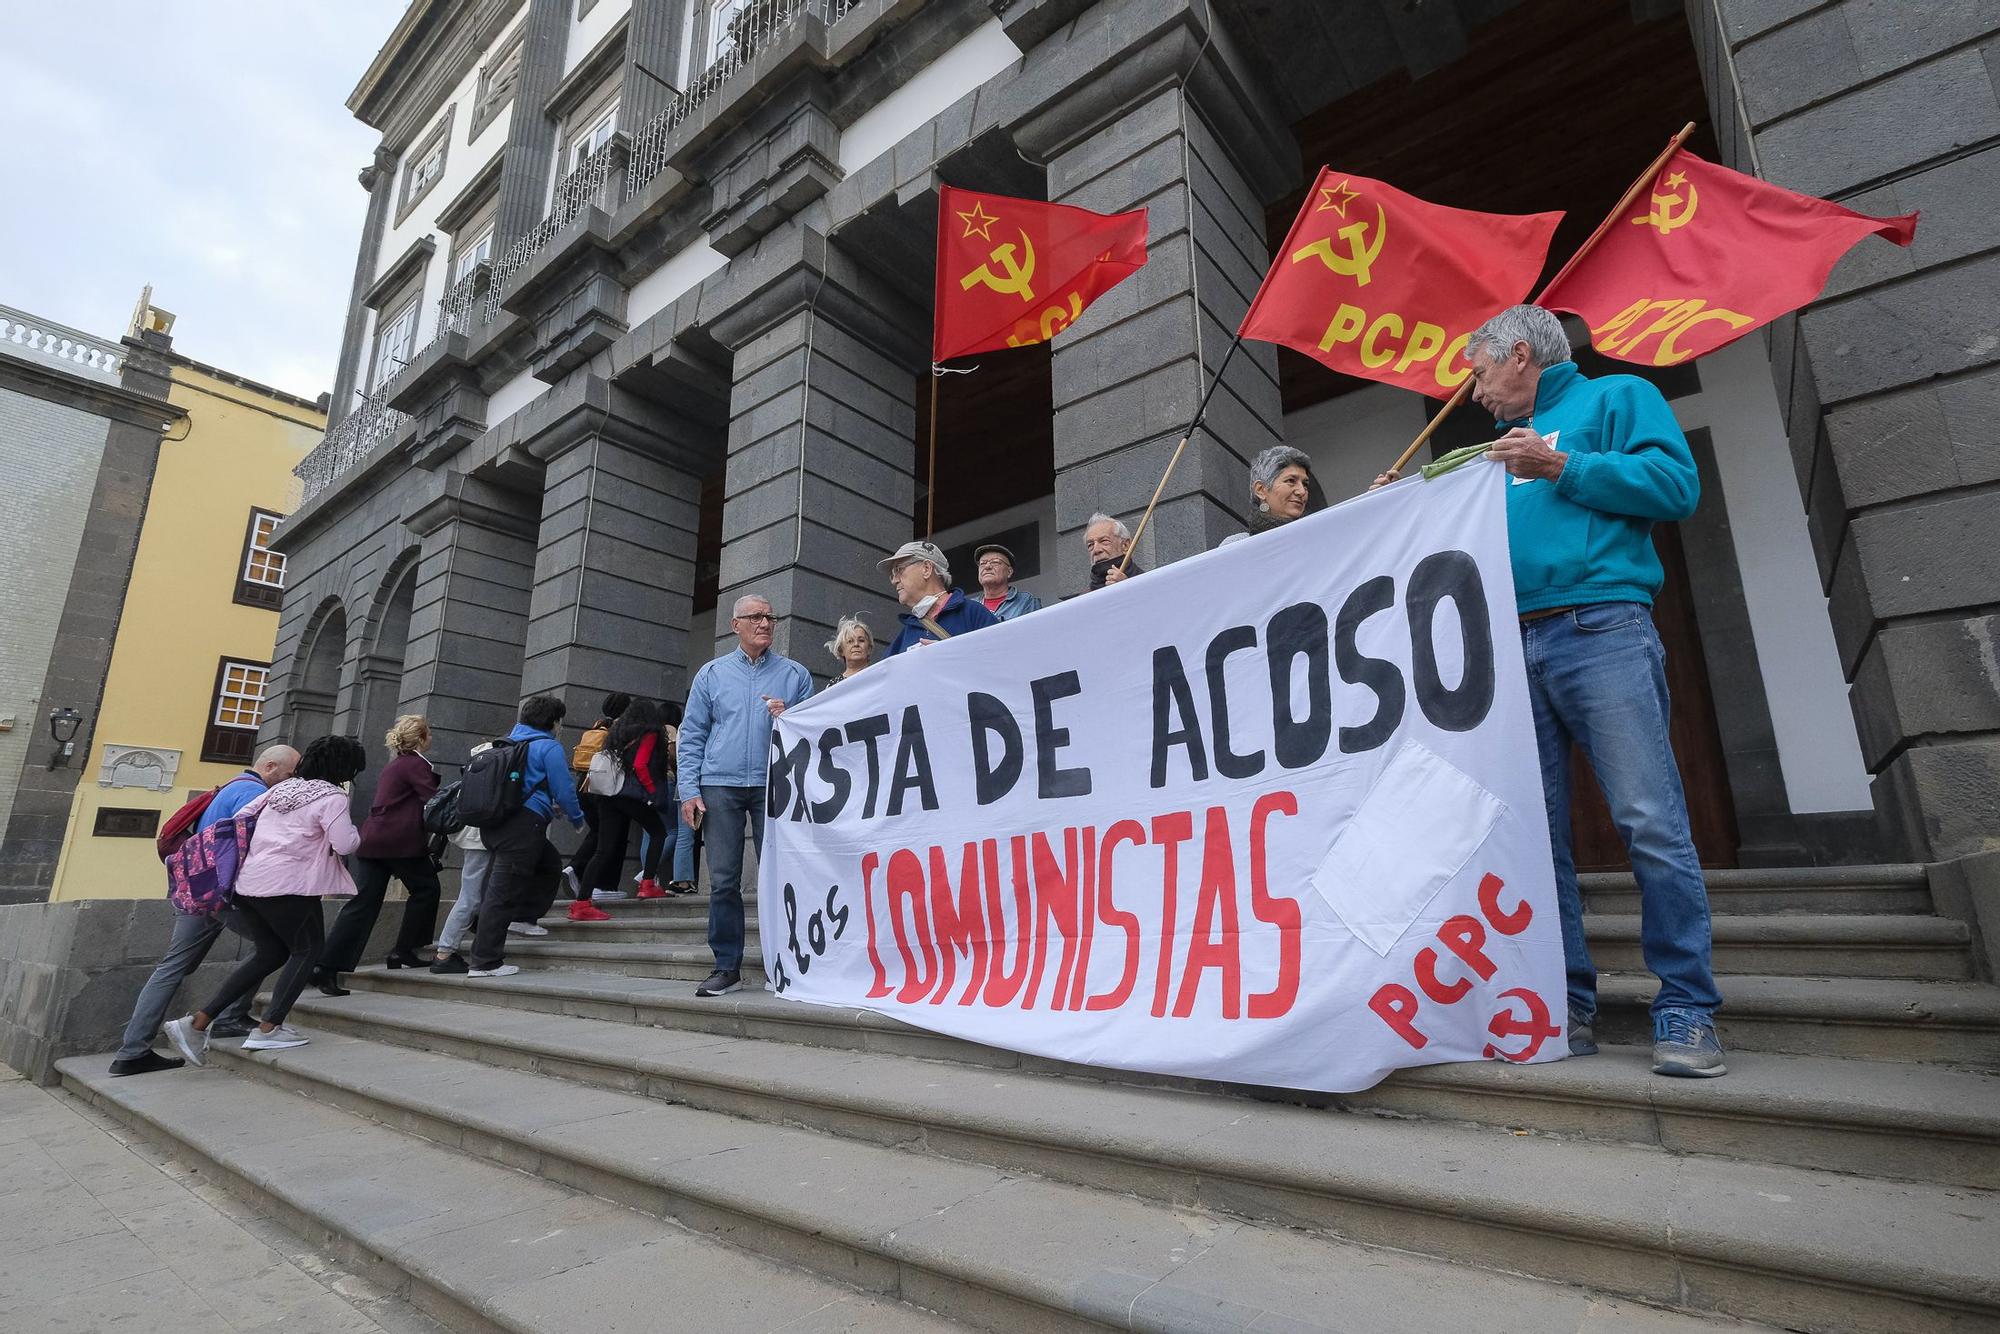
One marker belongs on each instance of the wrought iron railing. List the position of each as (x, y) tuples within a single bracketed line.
[(77, 351), (752, 30)]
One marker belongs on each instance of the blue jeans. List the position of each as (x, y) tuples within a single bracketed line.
[(1596, 676), (728, 808), (471, 892), (190, 943), (684, 836)]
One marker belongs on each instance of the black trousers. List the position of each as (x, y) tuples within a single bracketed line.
[(598, 842), (286, 929), (520, 884), (357, 919), (617, 815)]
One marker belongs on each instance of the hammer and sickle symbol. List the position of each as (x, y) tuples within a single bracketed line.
[(1361, 253), (1670, 210), (1018, 275), (1535, 1027)]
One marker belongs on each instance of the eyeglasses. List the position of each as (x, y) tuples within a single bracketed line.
[(759, 618)]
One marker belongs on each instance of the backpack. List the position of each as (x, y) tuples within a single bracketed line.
[(494, 785), (441, 813), (588, 749), (179, 827), (202, 871), (604, 778)]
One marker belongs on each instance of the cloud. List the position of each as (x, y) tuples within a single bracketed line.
[(203, 148)]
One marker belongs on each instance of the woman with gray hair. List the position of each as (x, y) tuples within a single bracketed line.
[(852, 645), (1280, 485)]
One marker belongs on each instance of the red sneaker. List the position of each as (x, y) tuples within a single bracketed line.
[(581, 911), (650, 889)]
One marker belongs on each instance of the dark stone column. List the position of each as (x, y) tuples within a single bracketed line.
[(81, 654), (531, 136), (379, 180), (1166, 119), (469, 620), (652, 48), (615, 546), (821, 475), (1890, 383)]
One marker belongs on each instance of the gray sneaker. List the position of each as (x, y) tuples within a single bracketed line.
[(187, 1040), (1685, 1045), (1582, 1042), (720, 983)]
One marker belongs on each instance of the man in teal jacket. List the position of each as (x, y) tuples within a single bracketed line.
[(1593, 465)]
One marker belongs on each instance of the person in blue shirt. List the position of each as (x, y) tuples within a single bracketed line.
[(195, 935), (1593, 465), (922, 579), (725, 753), (525, 865)]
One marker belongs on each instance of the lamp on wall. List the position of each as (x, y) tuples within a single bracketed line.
[(63, 723)]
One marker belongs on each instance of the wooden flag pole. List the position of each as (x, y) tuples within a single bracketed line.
[(930, 485), (1179, 449), (1617, 211)]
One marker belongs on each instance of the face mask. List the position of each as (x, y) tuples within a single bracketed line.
[(924, 608)]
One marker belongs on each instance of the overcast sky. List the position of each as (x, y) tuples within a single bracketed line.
[(202, 146)]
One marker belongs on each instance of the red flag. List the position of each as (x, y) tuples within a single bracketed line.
[(1011, 272), (1712, 255), (1377, 283)]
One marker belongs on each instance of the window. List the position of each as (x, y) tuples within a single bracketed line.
[(237, 711), (720, 40), (260, 582), (603, 125), (423, 166), (126, 822), (395, 344), (472, 254), (497, 78)]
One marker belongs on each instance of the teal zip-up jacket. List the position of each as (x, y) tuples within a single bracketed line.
[(1588, 536)]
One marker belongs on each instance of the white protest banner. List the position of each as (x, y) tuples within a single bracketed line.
[(1272, 814)]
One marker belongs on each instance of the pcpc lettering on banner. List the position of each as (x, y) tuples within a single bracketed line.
[(1230, 820)]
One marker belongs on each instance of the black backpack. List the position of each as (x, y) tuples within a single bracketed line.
[(441, 813), (494, 784)]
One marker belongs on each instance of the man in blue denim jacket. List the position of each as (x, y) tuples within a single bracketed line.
[(1593, 465)]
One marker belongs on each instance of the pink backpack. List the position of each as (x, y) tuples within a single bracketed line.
[(202, 871)]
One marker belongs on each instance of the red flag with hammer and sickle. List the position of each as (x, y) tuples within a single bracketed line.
[(1011, 272), (1711, 255), (1377, 283)]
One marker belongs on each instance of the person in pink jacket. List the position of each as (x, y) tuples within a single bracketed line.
[(304, 828)]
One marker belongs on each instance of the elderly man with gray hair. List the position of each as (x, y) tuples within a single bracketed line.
[(1595, 464), (725, 747), (1106, 540), (932, 609)]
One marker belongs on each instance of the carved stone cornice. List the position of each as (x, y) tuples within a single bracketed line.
[(460, 497)]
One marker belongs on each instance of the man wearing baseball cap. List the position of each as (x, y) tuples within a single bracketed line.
[(932, 608), (996, 584)]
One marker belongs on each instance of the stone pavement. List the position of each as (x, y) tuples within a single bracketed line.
[(101, 1232)]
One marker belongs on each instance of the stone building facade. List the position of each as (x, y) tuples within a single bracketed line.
[(641, 307)]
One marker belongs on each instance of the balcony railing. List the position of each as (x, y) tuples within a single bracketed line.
[(467, 302), (753, 29), (75, 351)]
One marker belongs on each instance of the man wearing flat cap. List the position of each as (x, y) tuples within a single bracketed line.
[(996, 584), (932, 609)]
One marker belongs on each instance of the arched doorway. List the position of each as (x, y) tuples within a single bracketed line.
[(314, 699), (383, 661)]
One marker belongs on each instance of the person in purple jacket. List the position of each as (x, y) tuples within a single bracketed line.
[(392, 847)]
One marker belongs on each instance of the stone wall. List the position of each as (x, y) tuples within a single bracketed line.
[(69, 973)]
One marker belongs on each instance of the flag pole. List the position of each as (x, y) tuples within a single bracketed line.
[(1617, 211), (930, 486), (1179, 449)]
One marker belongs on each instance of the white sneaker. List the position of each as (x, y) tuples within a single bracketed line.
[(575, 885), (600, 895), (192, 1045), (527, 928), (281, 1038), (504, 970)]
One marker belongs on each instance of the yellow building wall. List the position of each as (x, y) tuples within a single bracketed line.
[(181, 617)]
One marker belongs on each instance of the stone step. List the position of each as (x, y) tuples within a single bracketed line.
[(632, 929), (1901, 1121), (1821, 1250), (687, 961), (469, 1241), (1955, 1023), (1891, 888), (1802, 945)]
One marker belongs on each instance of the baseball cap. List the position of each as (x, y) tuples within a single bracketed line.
[(918, 551)]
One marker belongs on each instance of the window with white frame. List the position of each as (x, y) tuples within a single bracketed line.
[(395, 343), (260, 580), (423, 166), (718, 39), (599, 127), (471, 254), (237, 711), (497, 79)]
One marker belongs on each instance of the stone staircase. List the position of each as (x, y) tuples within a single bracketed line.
[(588, 1146)]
